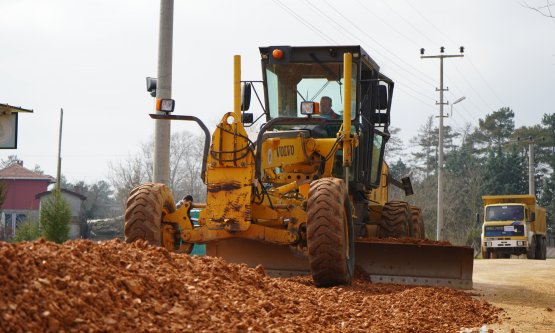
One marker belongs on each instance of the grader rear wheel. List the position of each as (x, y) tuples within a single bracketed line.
[(146, 206), (416, 223), (396, 216), (330, 238)]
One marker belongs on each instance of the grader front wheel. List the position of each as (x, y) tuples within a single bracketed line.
[(330, 237), (146, 206)]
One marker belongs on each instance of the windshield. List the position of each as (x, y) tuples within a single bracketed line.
[(290, 84), (505, 213)]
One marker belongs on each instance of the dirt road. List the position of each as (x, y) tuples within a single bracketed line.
[(525, 289)]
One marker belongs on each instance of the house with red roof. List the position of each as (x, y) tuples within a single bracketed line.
[(21, 203)]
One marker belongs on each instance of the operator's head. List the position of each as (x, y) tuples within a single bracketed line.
[(325, 105)]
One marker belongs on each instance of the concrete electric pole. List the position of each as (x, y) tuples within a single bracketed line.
[(162, 127), (440, 231)]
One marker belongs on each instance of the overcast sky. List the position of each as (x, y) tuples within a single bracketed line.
[(91, 59)]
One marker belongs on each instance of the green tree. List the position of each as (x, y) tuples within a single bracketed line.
[(496, 128), (55, 217), (505, 173), (99, 202), (424, 158), (27, 231)]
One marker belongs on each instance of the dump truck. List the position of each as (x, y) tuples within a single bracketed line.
[(513, 225), (309, 194)]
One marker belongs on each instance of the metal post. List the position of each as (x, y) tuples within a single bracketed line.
[(237, 86), (440, 228), (347, 77), (531, 171), (163, 91), (59, 168)]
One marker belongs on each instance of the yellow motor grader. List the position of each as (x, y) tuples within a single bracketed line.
[(310, 194)]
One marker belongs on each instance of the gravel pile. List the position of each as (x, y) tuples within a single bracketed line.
[(112, 286)]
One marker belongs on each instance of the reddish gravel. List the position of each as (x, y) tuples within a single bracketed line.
[(82, 286)]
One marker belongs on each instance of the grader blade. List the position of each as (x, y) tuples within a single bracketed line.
[(417, 264), (277, 260), (421, 264)]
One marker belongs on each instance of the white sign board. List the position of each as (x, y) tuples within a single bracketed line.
[(8, 131)]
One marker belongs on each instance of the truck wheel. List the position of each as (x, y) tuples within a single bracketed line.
[(544, 248), (416, 223), (541, 249), (395, 220), (329, 229), (485, 253), (531, 253), (146, 206)]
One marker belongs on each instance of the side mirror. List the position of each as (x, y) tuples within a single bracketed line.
[(151, 85), (478, 219), (382, 101), (247, 118), (533, 217), (246, 96), (407, 186)]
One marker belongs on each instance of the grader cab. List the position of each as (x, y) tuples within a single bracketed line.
[(310, 194)]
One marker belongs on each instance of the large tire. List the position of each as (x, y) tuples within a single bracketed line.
[(531, 253), (416, 223), (329, 229), (541, 248), (485, 253), (395, 222), (146, 206)]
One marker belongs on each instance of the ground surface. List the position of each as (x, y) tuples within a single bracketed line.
[(82, 286), (525, 289)]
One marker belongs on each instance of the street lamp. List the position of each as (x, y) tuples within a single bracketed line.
[(455, 102)]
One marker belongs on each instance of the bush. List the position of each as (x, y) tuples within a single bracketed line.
[(27, 231), (55, 217)]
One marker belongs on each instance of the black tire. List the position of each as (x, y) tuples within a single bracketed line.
[(329, 230), (146, 206), (416, 223), (541, 248), (544, 248), (485, 253), (531, 253), (396, 216)]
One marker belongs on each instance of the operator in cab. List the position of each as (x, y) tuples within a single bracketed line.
[(325, 109)]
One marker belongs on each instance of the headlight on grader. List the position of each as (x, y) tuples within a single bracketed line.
[(309, 108), (165, 105)]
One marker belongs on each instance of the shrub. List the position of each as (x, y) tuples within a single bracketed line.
[(27, 231), (55, 217)]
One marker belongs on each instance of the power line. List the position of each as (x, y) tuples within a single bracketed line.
[(304, 22)]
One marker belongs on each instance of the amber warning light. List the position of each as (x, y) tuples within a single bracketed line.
[(277, 54)]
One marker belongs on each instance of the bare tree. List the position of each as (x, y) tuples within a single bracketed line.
[(545, 8), (186, 155)]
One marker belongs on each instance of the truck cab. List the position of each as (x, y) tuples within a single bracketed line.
[(513, 225)]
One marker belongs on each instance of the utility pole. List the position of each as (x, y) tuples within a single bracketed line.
[(59, 168), (531, 171), (162, 127), (440, 231)]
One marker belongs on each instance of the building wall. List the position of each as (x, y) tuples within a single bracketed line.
[(21, 194)]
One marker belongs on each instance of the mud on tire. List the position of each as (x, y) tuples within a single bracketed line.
[(416, 223), (146, 205), (330, 237), (395, 222)]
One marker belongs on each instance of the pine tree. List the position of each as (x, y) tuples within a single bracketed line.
[(55, 217)]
